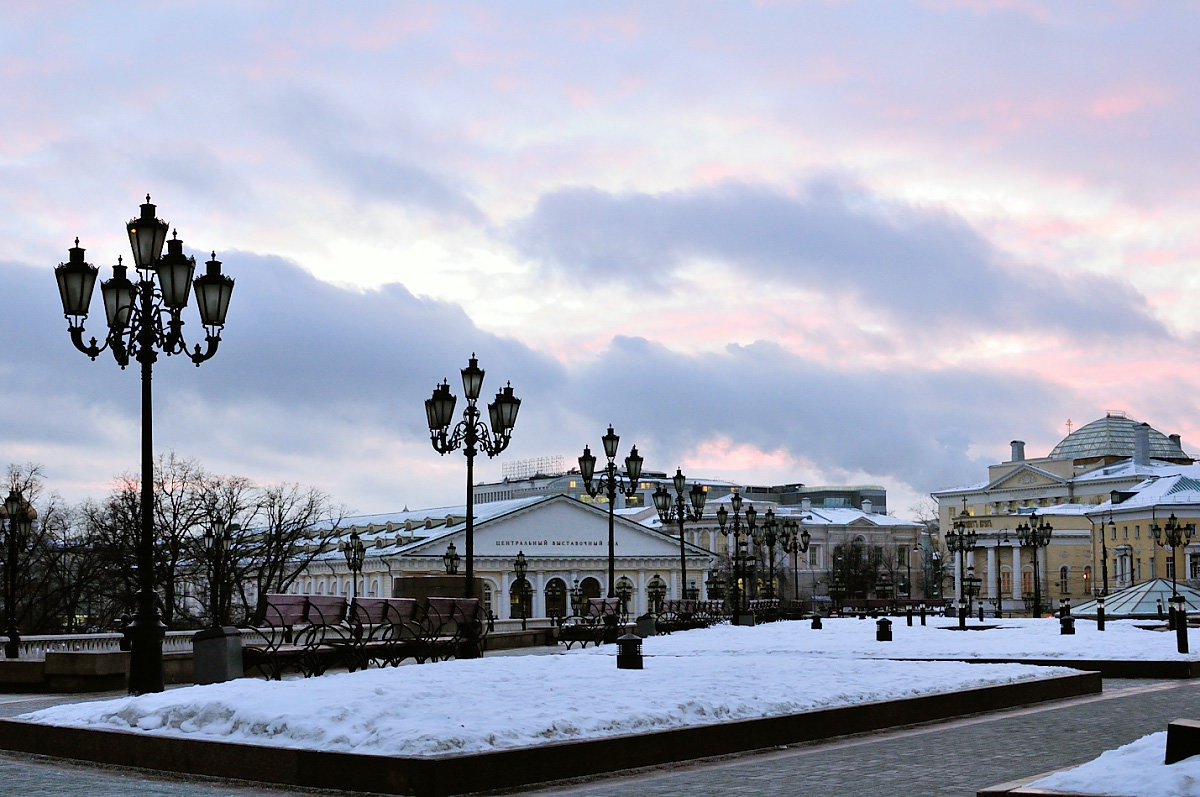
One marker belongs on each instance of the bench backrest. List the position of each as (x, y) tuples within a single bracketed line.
[(284, 611), (600, 607), (384, 611), (325, 609)]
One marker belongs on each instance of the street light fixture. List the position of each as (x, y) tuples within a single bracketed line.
[(1035, 535), (216, 542), (678, 511), (472, 435), (739, 530), (521, 567), (450, 559), (1174, 535), (355, 553), (143, 319), (795, 542), (610, 483), (959, 540), (18, 517)]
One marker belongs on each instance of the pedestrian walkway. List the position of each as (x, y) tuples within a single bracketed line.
[(957, 758)]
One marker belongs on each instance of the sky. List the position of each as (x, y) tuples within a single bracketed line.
[(817, 242)]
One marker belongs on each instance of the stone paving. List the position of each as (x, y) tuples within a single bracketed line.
[(957, 757)]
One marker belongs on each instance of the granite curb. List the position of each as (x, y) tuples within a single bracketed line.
[(460, 774)]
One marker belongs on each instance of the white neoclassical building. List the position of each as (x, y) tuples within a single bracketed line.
[(564, 540)]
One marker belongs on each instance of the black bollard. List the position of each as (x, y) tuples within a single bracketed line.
[(883, 630), (908, 616), (816, 624), (1067, 624), (1100, 613), (1181, 635), (981, 612), (922, 614), (1171, 617)]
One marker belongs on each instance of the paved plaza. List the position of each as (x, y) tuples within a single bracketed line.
[(956, 757)]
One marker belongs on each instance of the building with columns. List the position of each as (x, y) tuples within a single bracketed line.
[(1065, 489)]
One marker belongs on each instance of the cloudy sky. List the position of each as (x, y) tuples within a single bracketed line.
[(825, 242)]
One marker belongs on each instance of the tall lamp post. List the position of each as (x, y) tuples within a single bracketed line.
[(143, 318), (610, 483), (772, 532), (1035, 535), (678, 511), (795, 542), (1174, 535), (521, 567), (960, 540), (216, 542), (472, 435), (18, 516), (739, 530), (355, 553)]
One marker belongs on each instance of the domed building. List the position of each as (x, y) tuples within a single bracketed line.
[(1113, 454)]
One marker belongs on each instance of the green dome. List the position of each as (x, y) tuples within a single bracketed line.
[(1113, 436)]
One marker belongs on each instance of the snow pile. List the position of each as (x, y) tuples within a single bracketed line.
[(1134, 770), (498, 702)]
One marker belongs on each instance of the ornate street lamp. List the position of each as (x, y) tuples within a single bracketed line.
[(1035, 535), (959, 540), (521, 567), (18, 517), (472, 435), (355, 552), (144, 319), (216, 542), (795, 542), (610, 483), (450, 559), (678, 511), (657, 592), (1174, 535), (739, 530), (715, 585)]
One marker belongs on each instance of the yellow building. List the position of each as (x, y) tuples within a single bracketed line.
[(1064, 490)]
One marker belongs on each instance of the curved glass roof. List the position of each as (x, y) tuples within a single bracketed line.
[(1113, 435)]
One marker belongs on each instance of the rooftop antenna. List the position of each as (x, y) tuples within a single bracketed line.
[(1069, 425)]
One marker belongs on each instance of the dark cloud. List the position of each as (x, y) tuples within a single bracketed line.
[(924, 268)]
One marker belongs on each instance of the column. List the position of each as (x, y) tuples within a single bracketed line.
[(1015, 581), (992, 563), (539, 594)]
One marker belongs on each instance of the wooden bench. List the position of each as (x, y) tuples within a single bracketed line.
[(597, 616), (456, 627), (385, 632), (306, 633)]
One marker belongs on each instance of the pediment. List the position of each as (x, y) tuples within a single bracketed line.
[(1024, 477), (557, 527)]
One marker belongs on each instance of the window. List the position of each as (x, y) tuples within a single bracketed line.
[(1193, 565), (1170, 568), (1125, 532), (1005, 582), (1114, 532), (1064, 581), (1027, 582), (1087, 579), (1153, 568), (1137, 532)]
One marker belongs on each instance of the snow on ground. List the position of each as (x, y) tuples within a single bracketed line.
[(1134, 770), (690, 678)]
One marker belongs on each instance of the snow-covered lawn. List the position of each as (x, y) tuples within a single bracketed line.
[(690, 678)]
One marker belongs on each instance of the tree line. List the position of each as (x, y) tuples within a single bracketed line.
[(77, 570)]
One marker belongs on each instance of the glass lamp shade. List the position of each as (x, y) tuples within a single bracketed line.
[(520, 565), (175, 271), (440, 408), (804, 538), (722, 516), (503, 410), (118, 294), (450, 559), (610, 440), (751, 515), (679, 481), (587, 465), (698, 497), (146, 236), (662, 501), (213, 291), (209, 538), (472, 379), (633, 465), (76, 280), (12, 504), (769, 521), (736, 502)]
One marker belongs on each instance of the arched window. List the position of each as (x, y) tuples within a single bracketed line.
[(487, 598), (556, 598), (1006, 581), (656, 590), (1064, 580), (625, 593), (520, 599), (1087, 580)]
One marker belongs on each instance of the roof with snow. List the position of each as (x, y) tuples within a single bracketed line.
[(1113, 436), (1143, 600)]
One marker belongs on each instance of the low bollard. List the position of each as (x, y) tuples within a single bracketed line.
[(981, 612), (883, 630), (1181, 628), (816, 622), (629, 652), (1100, 613), (922, 614), (1067, 625), (908, 616)]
